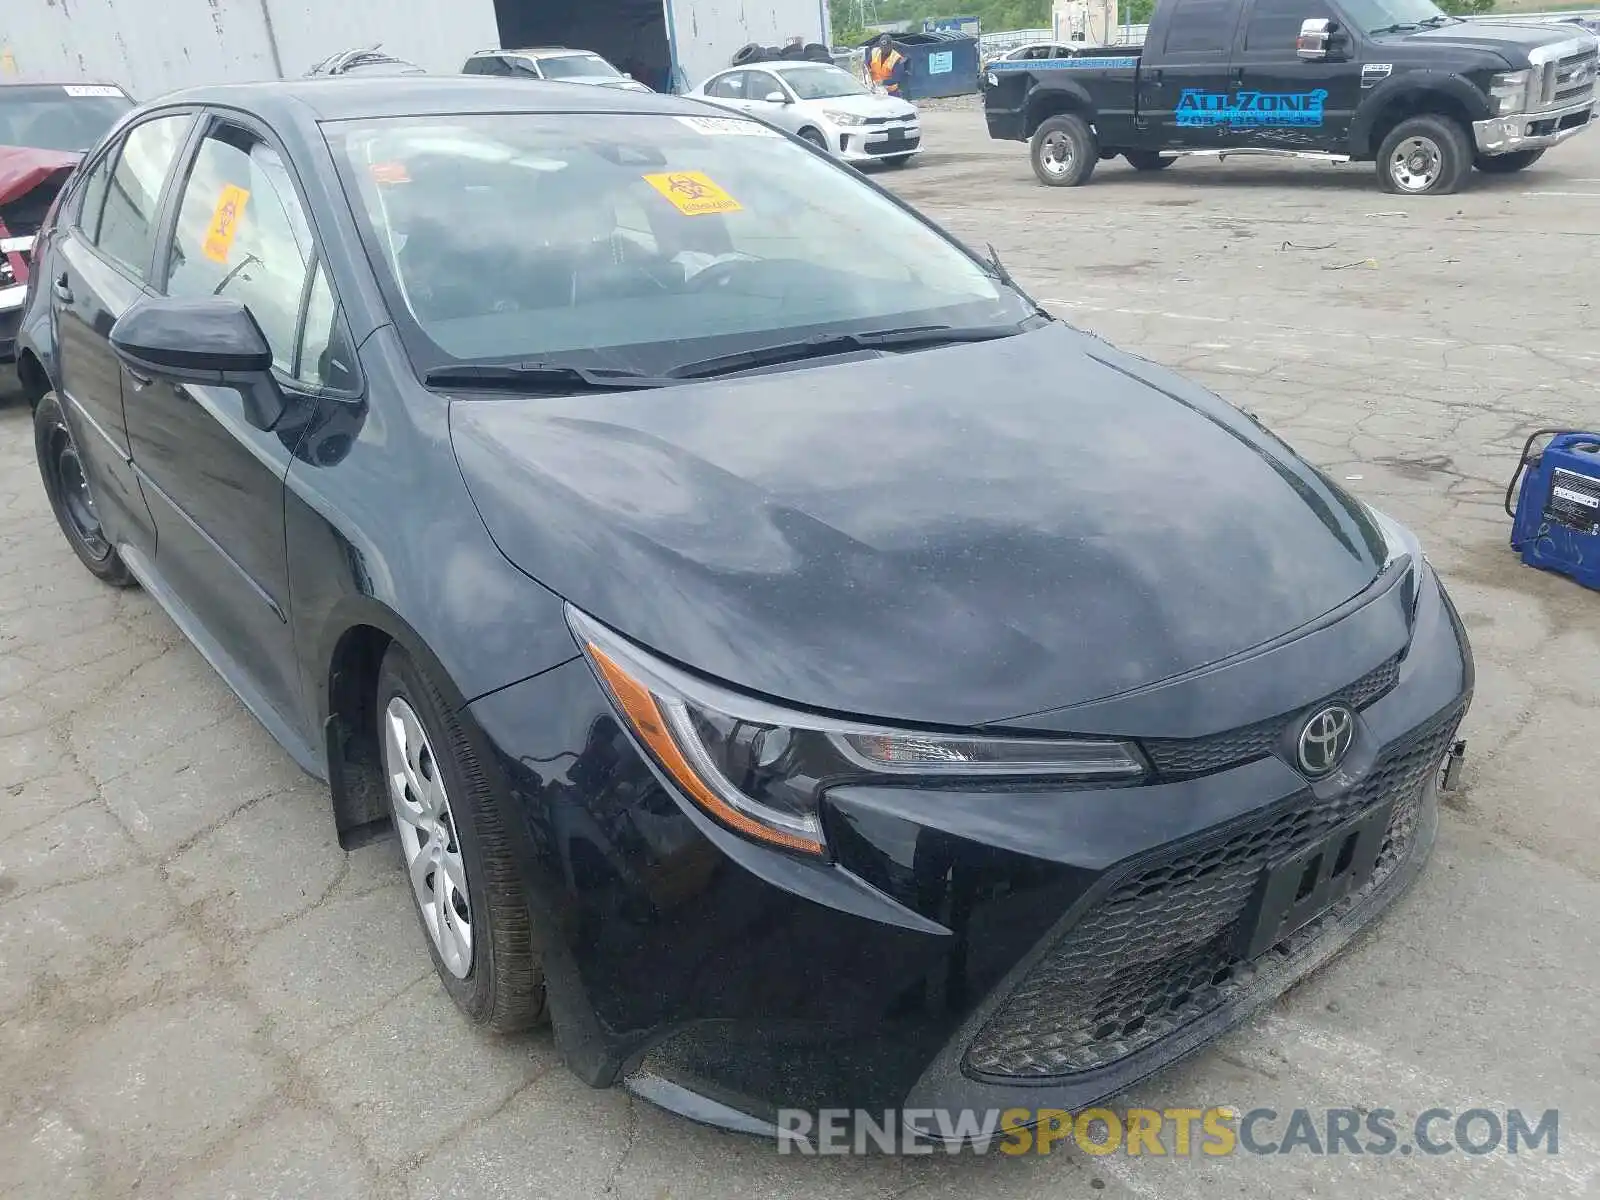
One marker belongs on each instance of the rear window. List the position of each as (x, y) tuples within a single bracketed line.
[(578, 66), (70, 117), (637, 240), (1202, 27)]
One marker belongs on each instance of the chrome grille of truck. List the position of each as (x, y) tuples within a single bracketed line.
[(1563, 74)]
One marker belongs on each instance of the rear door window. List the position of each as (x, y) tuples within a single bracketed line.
[(1199, 30), (126, 232)]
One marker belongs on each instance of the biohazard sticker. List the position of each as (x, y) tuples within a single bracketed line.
[(727, 127), (693, 194), (224, 225)]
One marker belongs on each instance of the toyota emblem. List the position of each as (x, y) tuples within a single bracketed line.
[(1325, 739)]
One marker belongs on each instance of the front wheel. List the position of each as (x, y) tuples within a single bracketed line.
[(1064, 151), (1147, 160), (1505, 164), (814, 137), (1424, 156), (66, 483), (457, 852)]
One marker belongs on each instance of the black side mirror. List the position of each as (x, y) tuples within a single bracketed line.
[(212, 341)]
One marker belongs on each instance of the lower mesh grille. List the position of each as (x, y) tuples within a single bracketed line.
[(1158, 952)]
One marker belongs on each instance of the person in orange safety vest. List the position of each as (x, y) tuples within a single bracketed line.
[(886, 65)]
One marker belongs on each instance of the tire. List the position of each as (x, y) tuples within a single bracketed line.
[(815, 138), (1424, 156), (745, 54), (445, 812), (1505, 164), (898, 160), (1064, 151), (67, 486), (1147, 160)]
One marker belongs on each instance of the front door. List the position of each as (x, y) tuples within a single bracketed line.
[(214, 482), (101, 263), (1183, 101), (1285, 101)]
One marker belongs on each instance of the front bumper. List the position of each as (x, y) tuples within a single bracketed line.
[(1531, 131), (964, 950), (863, 144)]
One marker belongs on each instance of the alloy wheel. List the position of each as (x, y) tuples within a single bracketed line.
[(428, 837), (1057, 154), (1416, 163)]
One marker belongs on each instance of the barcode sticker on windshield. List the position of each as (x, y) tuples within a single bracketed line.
[(693, 193), (726, 127), (90, 89)]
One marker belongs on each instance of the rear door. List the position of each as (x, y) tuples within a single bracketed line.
[(1185, 94), (1286, 101), (730, 90), (98, 269), (237, 229)]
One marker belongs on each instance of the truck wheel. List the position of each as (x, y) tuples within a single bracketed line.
[(1424, 156), (1064, 151), (1504, 164), (1147, 160)]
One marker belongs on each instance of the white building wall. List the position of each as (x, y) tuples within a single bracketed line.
[(706, 33), (154, 46)]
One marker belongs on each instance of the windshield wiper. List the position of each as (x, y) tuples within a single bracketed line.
[(822, 345), (1440, 19), (1398, 27), (541, 376)]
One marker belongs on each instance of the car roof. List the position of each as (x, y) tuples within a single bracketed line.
[(547, 52), (36, 84), (349, 97), (789, 64)]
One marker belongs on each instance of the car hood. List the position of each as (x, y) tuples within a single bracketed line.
[(1510, 39), (606, 81), (954, 536), (864, 106)]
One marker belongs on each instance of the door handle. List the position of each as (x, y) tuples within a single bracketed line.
[(63, 288), (1155, 75), (140, 382), (1237, 75)]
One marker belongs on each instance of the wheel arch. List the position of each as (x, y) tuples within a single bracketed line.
[(1410, 96), (35, 380), (358, 635), (1047, 102)]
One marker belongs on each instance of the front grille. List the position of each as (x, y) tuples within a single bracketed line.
[(1567, 80), (1156, 953), (1184, 758)]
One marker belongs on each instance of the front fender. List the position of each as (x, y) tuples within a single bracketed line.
[(1412, 91)]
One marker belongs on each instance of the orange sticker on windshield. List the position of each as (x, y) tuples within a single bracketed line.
[(693, 193), (224, 225), (390, 172)]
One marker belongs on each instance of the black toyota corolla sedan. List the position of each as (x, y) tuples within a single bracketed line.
[(791, 662)]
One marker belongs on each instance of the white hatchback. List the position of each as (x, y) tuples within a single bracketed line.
[(824, 104)]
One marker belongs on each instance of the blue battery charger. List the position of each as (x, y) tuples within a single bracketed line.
[(1556, 523)]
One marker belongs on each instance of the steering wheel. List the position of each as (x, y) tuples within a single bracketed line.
[(717, 275)]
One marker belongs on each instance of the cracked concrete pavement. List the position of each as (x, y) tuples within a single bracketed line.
[(202, 996)]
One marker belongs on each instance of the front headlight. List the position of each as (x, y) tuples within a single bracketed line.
[(1508, 92), (761, 770), (843, 118)]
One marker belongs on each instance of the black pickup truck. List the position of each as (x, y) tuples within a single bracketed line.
[(1425, 95)]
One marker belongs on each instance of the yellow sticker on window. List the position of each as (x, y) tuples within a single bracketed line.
[(224, 223), (693, 193)]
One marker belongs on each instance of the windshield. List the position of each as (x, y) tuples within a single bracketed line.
[(1392, 16), (71, 118), (820, 82), (638, 242), (578, 66)]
